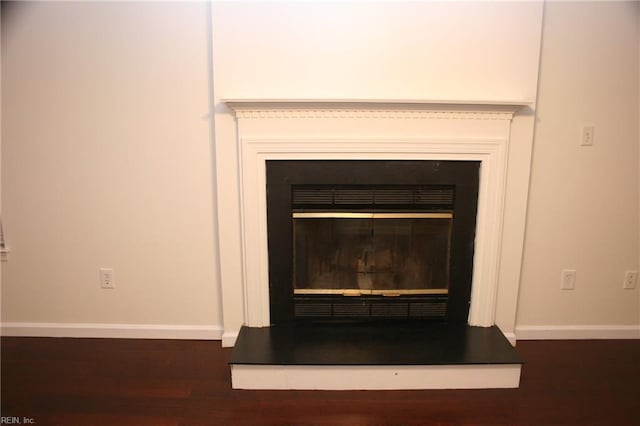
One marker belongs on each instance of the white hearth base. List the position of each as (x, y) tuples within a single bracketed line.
[(285, 377)]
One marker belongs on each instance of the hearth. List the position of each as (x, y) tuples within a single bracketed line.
[(371, 240)]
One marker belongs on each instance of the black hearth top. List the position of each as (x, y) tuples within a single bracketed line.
[(362, 344)]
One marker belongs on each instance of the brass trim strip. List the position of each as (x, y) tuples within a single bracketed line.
[(357, 215), (360, 292)]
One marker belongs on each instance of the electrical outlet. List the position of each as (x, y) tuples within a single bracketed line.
[(106, 278), (630, 280), (568, 280), (587, 135)]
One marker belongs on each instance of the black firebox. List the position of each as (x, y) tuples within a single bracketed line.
[(370, 240)]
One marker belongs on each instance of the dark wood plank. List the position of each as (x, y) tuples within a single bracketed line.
[(404, 343), (157, 382)]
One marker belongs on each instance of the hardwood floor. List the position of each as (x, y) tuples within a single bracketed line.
[(163, 382)]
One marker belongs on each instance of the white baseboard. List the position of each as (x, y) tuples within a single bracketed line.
[(343, 377), (126, 331), (577, 332), (229, 338), (511, 337), (213, 332)]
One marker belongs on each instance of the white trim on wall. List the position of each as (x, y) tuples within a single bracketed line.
[(511, 337), (229, 338), (127, 331), (491, 152), (577, 332)]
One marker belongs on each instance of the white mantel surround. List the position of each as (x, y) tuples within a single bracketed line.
[(368, 130)]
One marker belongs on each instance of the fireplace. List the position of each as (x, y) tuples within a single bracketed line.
[(317, 254), (370, 240), (254, 133)]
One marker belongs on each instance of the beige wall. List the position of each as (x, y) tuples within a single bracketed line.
[(107, 157), (107, 162), (583, 208)]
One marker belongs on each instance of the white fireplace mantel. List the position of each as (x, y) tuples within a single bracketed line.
[(365, 130), (380, 108)]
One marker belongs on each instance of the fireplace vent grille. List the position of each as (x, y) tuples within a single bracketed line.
[(426, 308), (414, 196)]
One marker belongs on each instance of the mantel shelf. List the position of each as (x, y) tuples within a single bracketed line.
[(395, 104)]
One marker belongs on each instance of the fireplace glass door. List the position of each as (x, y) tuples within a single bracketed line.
[(371, 254)]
